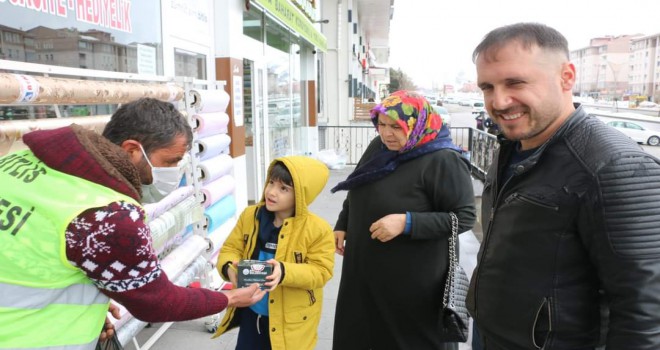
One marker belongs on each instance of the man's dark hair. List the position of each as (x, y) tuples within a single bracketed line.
[(155, 124), (279, 172), (528, 34)]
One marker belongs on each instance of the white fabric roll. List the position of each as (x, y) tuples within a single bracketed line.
[(210, 100), (211, 123), (216, 190), (213, 146), (213, 168)]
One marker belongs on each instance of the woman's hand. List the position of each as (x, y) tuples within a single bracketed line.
[(340, 237), (273, 278), (388, 227)]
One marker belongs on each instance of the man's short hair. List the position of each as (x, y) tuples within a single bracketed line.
[(528, 34), (153, 123)]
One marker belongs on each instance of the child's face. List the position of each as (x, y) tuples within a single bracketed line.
[(279, 197)]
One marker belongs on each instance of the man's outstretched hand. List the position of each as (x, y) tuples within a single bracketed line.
[(242, 297)]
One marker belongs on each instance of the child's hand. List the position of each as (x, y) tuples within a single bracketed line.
[(273, 278), (232, 273)]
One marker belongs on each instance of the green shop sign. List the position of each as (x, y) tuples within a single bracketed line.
[(291, 16)]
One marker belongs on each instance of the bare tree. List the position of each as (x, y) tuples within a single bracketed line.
[(400, 81)]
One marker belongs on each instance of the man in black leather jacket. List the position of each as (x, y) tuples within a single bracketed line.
[(571, 210)]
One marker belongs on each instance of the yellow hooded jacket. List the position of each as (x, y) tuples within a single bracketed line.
[(306, 248)]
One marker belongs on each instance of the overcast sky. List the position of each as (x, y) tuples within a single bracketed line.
[(432, 40)]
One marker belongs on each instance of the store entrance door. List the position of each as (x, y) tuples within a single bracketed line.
[(256, 121)]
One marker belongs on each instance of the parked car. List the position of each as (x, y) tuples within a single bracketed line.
[(636, 132), (465, 102), (477, 107), (648, 104), (444, 114)]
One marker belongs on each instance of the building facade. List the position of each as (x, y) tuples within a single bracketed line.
[(283, 75), (626, 67)]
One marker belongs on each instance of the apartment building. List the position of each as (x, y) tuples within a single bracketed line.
[(621, 67)]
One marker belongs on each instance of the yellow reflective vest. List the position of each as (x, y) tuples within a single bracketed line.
[(44, 300)]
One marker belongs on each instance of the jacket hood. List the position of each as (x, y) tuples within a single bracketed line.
[(84, 153), (309, 178)]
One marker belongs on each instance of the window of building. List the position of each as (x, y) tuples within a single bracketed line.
[(189, 64), (253, 24)]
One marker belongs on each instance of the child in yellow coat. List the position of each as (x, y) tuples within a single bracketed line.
[(299, 246)]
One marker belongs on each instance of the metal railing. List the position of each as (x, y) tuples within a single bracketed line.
[(352, 141)]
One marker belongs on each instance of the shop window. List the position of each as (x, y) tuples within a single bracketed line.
[(253, 24), (277, 36), (189, 64), (77, 32)]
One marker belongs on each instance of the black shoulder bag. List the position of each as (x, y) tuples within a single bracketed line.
[(454, 314)]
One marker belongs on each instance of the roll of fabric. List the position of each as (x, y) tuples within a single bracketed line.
[(213, 168), (12, 131), (218, 189), (213, 145), (154, 210), (169, 223), (170, 244), (128, 326), (179, 259), (206, 101), (220, 212), (219, 235), (22, 88), (211, 123)]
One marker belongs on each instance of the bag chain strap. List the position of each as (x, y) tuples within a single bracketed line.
[(453, 262)]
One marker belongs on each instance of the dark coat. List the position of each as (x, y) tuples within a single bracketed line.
[(578, 216), (390, 293)]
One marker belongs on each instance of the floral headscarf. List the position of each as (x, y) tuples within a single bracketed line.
[(423, 128), (413, 113)]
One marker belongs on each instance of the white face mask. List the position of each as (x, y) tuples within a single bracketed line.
[(165, 179)]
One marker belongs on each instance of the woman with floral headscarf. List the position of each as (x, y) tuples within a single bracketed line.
[(393, 229)]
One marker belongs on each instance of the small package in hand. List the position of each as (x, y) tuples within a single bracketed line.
[(253, 271)]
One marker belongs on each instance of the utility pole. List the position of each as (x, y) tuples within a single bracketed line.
[(616, 68)]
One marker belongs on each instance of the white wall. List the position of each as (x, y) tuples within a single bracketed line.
[(188, 25)]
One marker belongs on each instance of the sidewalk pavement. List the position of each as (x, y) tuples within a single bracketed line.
[(194, 335)]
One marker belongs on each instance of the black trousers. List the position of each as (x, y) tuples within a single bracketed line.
[(254, 333)]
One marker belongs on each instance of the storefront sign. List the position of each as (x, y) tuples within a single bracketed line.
[(194, 13), (292, 17), (113, 14), (91, 34), (307, 6)]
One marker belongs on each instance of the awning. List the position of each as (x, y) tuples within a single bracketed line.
[(292, 17)]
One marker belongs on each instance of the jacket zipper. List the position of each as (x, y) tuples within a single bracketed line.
[(250, 242), (547, 304), (475, 274), (531, 201)]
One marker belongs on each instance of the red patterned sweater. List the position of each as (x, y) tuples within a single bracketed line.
[(112, 245)]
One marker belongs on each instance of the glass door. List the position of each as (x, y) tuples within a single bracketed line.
[(256, 136)]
